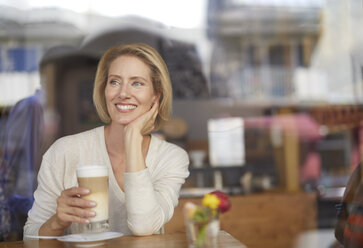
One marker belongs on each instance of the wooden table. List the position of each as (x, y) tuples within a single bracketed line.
[(271, 219), (173, 240)]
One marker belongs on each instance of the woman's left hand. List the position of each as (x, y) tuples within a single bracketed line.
[(146, 122)]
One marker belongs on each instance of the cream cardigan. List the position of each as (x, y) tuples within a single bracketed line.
[(150, 195)]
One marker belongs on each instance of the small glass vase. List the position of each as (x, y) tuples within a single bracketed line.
[(203, 234)]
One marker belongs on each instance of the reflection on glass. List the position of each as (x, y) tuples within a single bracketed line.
[(269, 62)]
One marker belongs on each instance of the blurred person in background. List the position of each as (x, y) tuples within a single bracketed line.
[(21, 141), (133, 95), (349, 225), (310, 170)]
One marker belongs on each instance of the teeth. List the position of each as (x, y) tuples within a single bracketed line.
[(126, 107)]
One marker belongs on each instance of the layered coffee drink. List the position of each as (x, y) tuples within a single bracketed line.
[(95, 178)]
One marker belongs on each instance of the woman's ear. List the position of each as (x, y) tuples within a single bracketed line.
[(156, 97)]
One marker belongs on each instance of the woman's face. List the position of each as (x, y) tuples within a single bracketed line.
[(129, 90)]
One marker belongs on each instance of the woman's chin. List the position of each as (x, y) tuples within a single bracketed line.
[(122, 122)]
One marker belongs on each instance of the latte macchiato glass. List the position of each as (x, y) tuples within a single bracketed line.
[(95, 178)]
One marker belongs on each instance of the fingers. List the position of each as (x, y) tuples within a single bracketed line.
[(75, 215), (156, 109), (76, 202), (150, 122), (154, 112), (75, 191), (156, 102), (148, 129), (72, 208), (145, 123)]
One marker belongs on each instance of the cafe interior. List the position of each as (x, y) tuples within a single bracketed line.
[(266, 102)]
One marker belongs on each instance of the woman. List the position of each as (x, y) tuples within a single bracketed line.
[(132, 94)]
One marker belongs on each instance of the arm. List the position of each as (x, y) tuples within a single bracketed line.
[(54, 208), (150, 199), (49, 187), (134, 135), (151, 195)]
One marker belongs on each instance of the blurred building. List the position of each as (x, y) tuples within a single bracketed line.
[(60, 49), (26, 35), (339, 53), (259, 47)]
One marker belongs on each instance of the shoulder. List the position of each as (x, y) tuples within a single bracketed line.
[(165, 158), (79, 137), (76, 141), (167, 149)]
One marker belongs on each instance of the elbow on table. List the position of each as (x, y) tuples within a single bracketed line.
[(144, 229), (141, 231), (145, 224)]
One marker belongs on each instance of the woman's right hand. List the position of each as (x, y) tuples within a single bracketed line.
[(72, 208)]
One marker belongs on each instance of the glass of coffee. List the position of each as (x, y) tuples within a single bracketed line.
[(95, 178)]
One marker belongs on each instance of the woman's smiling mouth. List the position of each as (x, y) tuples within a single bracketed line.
[(125, 107)]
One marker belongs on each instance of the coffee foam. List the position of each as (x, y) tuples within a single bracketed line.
[(92, 171)]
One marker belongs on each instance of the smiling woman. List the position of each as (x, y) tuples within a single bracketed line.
[(132, 94), (129, 89), (122, 64)]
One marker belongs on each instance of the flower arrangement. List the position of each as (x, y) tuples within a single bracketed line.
[(202, 221)]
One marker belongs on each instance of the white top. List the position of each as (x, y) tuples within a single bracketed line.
[(150, 195)]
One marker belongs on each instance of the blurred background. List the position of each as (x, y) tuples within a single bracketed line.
[(267, 101)]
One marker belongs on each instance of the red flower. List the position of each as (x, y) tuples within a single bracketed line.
[(224, 204)]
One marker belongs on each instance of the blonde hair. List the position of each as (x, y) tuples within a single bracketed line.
[(159, 75)]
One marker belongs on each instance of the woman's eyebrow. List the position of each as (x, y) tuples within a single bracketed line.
[(113, 75), (139, 77), (133, 77)]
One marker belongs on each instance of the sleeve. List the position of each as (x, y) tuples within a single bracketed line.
[(50, 186), (151, 199)]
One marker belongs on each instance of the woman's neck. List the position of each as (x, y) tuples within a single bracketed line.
[(114, 138)]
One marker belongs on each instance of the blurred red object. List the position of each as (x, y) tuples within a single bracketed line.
[(224, 204), (353, 231)]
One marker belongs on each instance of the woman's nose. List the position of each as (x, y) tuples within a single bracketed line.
[(124, 92)]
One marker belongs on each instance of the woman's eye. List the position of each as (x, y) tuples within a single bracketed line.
[(113, 82), (136, 83)]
